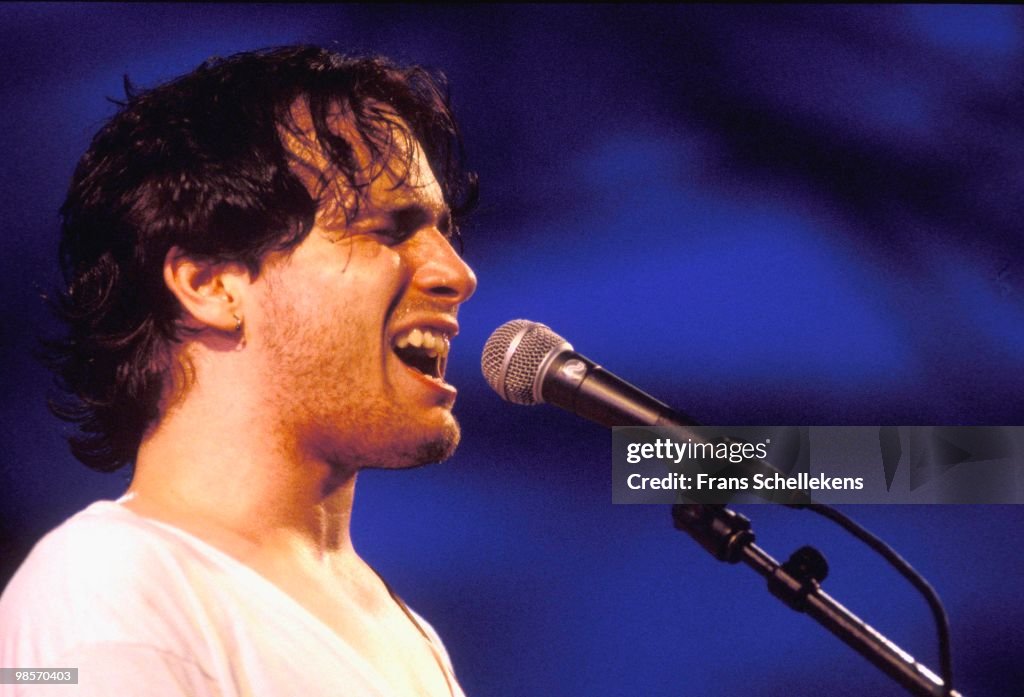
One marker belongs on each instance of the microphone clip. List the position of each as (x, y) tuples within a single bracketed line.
[(722, 532)]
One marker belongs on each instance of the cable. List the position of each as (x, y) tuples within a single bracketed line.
[(907, 571)]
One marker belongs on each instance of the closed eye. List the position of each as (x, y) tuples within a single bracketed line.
[(393, 236), (406, 222)]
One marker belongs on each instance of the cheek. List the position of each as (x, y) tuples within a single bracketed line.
[(340, 304)]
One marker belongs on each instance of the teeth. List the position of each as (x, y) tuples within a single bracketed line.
[(433, 344)]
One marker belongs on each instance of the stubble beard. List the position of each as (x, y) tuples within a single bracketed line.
[(372, 443), (348, 428), (439, 449)]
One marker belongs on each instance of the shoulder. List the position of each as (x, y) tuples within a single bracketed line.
[(104, 575), (103, 548), (433, 637)]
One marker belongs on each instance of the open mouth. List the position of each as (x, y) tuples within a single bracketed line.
[(423, 350)]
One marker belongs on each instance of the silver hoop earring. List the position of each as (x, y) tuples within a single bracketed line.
[(238, 322)]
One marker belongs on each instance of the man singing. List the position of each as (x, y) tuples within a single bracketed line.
[(261, 291)]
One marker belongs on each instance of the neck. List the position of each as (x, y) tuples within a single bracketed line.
[(227, 476)]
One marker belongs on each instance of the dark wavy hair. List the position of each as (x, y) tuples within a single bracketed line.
[(203, 163)]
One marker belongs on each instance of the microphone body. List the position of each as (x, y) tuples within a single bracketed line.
[(577, 384)]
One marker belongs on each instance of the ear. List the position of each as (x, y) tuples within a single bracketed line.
[(211, 293)]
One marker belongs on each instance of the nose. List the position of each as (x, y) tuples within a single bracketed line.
[(440, 271)]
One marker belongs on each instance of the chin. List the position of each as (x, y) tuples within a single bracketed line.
[(439, 449), (413, 446)]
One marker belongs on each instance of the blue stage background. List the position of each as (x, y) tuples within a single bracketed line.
[(792, 215)]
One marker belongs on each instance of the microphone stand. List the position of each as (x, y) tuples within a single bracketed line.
[(728, 537)]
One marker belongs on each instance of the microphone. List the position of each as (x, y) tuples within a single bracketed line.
[(527, 363)]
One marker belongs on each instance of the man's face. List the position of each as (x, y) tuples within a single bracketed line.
[(345, 322)]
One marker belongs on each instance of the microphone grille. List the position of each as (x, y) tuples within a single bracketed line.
[(513, 357)]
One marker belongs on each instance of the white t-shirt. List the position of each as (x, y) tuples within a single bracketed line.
[(144, 609)]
